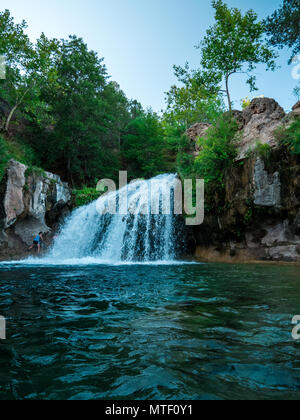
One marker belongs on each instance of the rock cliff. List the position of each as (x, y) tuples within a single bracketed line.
[(31, 201), (260, 216)]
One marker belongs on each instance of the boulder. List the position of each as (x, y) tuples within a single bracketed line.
[(296, 109), (260, 119), (30, 202), (13, 200)]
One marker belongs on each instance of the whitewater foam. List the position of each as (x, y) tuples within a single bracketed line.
[(138, 236), (91, 236)]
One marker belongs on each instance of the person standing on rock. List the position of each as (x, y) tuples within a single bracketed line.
[(37, 242)]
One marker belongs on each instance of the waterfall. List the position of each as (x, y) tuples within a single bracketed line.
[(138, 236)]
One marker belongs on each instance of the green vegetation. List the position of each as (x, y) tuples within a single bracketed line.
[(297, 92), (10, 149), (217, 154), (263, 150), (34, 170), (198, 98), (85, 196), (290, 136), (235, 44), (3, 158), (283, 26), (60, 111), (150, 147)]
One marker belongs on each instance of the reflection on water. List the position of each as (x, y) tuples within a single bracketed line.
[(149, 332)]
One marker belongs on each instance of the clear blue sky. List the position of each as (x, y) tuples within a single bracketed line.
[(141, 40)]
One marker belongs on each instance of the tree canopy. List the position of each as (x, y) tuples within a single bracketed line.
[(283, 26), (235, 44), (60, 110), (196, 99)]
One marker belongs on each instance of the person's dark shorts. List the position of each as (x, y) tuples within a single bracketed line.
[(36, 243)]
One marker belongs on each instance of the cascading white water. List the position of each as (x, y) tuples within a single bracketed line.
[(138, 236)]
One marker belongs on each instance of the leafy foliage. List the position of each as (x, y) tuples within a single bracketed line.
[(61, 104), (284, 26), (148, 147), (198, 99), (10, 149), (263, 150), (62, 112), (234, 44), (85, 196), (297, 92), (290, 136), (245, 102), (218, 151), (4, 157)]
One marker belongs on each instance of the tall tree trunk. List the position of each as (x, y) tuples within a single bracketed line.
[(228, 92), (11, 114), (13, 110)]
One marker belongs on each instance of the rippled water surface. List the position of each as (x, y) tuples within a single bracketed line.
[(149, 332)]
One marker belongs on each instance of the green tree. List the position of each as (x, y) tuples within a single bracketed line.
[(284, 26), (118, 114), (235, 44), (28, 67), (218, 149), (197, 99), (77, 105), (297, 92), (218, 152), (143, 147)]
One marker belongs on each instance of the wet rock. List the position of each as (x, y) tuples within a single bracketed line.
[(286, 253), (260, 215), (267, 186), (30, 203)]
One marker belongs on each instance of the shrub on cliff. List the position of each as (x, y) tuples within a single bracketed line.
[(10, 149), (3, 157), (290, 136), (218, 150), (85, 196)]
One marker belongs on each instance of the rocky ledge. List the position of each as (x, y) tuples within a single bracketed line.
[(259, 217), (31, 201)]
